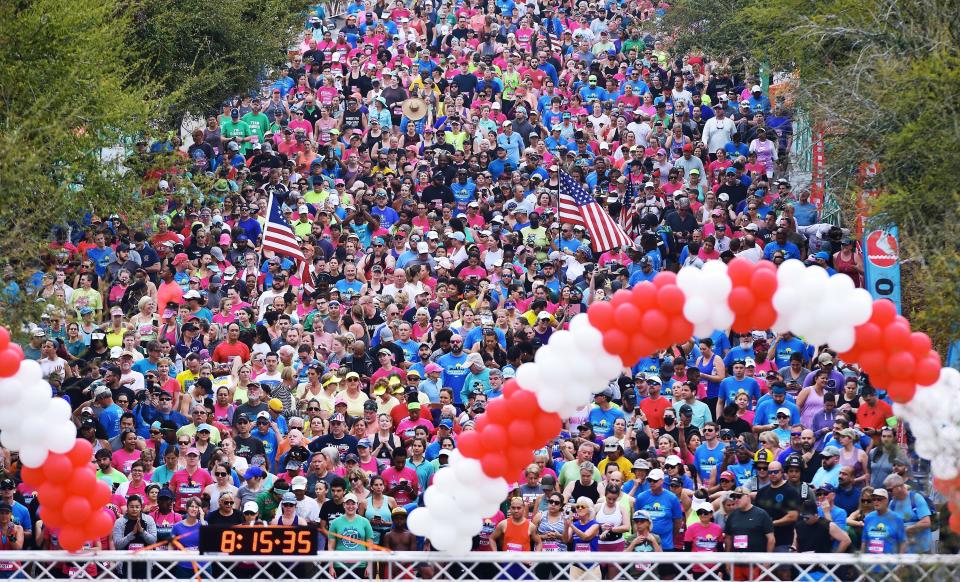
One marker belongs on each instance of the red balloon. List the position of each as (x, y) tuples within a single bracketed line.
[(4, 338), (655, 324), (52, 494), (51, 516), (920, 344), (764, 283), (547, 425), (741, 301), (522, 433), (601, 315), (83, 481), (494, 438), (869, 336), (509, 387), (498, 411), (763, 316), (955, 522), (494, 465), (628, 317), (9, 362), (901, 365), (884, 312), (928, 371), (901, 391), (621, 297), (76, 509), (524, 404), (640, 346), (616, 342), (72, 538), (101, 493), (873, 361), (740, 271), (680, 329), (57, 468), (896, 337), (34, 476), (670, 299), (644, 295), (470, 445), (81, 454), (99, 525), (481, 422), (665, 279), (518, 458)]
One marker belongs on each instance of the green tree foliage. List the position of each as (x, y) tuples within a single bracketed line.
[(201, 53), (883, 79), (64, 97)]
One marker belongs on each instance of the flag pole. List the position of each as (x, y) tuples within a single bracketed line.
[(269, 211)]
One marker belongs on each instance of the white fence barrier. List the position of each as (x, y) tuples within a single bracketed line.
[(162, 565)]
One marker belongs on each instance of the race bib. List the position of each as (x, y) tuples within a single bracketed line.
[(740, 542), (187, 490), (514, 548), (7, 566), (581, 547), (135, 547), (551, 547), (875, 547)]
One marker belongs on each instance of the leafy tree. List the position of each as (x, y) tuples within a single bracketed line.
[(65, 99), (201, 53)]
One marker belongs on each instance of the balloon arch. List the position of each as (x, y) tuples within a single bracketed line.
[(565, 373)]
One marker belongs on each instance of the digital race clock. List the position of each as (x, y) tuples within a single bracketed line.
[(259, 540)]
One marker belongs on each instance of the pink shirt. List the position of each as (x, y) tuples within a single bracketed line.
[(122, 460), (704, 538), (392, 478)]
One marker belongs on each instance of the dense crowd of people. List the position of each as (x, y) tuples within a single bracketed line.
[(415, 153)]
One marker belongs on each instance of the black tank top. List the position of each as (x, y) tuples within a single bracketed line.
[(581, 490), (351, 119)]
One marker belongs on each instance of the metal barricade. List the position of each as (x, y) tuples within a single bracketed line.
[(482, 566)]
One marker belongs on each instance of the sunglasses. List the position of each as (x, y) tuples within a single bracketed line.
[(735, 496), (183, 443), (554, 502), (220, 474), (227, 502)]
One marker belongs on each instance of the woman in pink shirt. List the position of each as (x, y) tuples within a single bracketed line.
[(709, 252), (704, 535), (128, 453)]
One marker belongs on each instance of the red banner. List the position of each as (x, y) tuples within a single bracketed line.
[(864, 194)]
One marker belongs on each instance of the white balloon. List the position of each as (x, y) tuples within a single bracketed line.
[(36, 397), (468, 471), (10, 416), (551, 400), (444, 478), (61, 437), (29, 372), (696, 309), (528, 376), (11, 438), (10, 391), (33, 455), (443, 534), (58, 409), (419, 521)]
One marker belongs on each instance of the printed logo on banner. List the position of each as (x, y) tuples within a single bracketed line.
[(882, 249)]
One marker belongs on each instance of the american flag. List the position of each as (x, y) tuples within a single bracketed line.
[(578, 207), (628, 211), (278, 236)]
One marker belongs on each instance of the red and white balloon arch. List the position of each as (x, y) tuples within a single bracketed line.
[(741, 296), (56, 464)]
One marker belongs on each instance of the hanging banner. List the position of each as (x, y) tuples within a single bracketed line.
[(881, 251), (818, 171)]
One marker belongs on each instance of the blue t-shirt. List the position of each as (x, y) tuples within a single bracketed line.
[(785, 348), (269, 441), (730, 387), (708, 459), (602, 420), (349, 289), (738, 353), (766, 412), (913, 509), (454, 373), (663, 509), (411, 350), (110, 420), (883, 534)]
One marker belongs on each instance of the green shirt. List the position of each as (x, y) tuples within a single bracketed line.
[(358, 528), (239, 130), (268, 505), (258, 124)]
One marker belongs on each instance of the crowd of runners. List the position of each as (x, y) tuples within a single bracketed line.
[(416, 153)]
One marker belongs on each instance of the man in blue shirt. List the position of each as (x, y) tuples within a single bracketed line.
[(664, 510), (733, 385), (765, 416), (913, 508), (709, 455), (455, 370), (804, 211), (21, 515), (759, 103), (784, 346), (511, 142), (604, 414), (883, 530), (741, 351), (780, 243)]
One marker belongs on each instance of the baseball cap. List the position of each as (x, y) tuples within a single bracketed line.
[(729, 476), (193, 451), (783, 410), (350, 497), (827, 488), (641, 464), (298, 483), (673, 460), (610, 444), (254, 472), (641, 515), (830, 451), (655, 475), (337, 418), (251, 507), (881, 493)]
